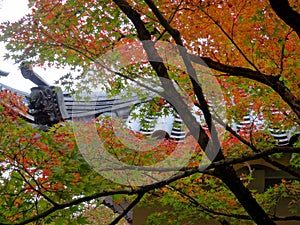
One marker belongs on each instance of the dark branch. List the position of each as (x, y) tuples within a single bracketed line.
[(162, 72), (209, 211), (269, 80), (285, 12), (141, 190), (132, 204), (189, 67), (286, 218), (282, 167), (224, 162)]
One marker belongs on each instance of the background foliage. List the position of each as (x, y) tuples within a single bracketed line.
[(252, 48)]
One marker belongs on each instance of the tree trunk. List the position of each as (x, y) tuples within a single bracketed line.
[(228, 175)]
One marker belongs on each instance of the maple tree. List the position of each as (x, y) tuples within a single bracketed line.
[(251, 48), (42, 170)]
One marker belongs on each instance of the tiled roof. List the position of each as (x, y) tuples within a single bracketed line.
[(172, 125), (3, 73)]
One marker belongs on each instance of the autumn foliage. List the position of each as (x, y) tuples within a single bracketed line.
[(250, 48)]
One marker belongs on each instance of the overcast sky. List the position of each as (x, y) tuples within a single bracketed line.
[(13, 10)]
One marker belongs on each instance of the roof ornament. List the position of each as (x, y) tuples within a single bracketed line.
[(28, 73), (46, 103)]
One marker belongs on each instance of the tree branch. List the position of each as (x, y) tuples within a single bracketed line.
[(75, 202), (285, 12), (161, 70), (216, 164), (36, 189), (231, 40), (189, 67), (226, 173), (269, 80), (131, 205), (286, 218), (209, 211), (257, 151), (282, 167)]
